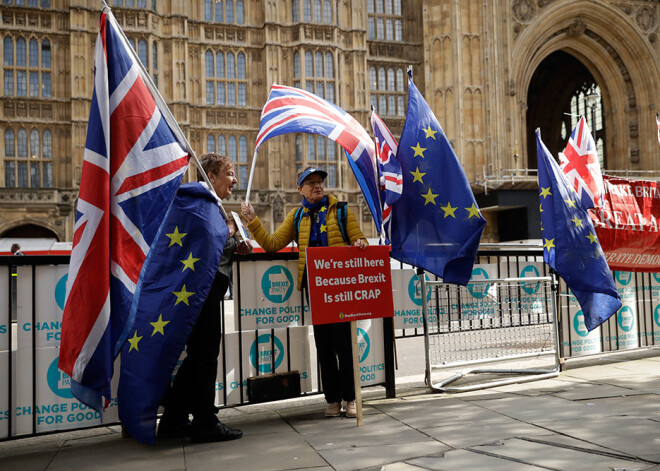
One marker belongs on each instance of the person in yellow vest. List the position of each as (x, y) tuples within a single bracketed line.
[(319, 226)]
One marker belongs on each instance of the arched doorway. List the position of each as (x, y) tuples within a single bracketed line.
[(557, 96), (29, 231)]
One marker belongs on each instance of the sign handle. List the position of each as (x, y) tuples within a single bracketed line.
[(356, 373)]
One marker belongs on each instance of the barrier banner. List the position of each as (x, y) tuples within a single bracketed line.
[(627, 224), (349, 284)]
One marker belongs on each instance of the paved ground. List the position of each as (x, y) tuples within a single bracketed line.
[(601, 415)]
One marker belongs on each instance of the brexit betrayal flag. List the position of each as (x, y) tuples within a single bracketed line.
[(292, 110), (581, 166), (570, 245), (436, 224), (391, 180), (175, 282), (132, 166)]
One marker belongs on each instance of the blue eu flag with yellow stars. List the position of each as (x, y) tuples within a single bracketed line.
[(570, 245), (173, 285), (436, 224)]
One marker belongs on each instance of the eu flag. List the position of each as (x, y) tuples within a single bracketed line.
[(173, 286), (570, 245), (436, 224)]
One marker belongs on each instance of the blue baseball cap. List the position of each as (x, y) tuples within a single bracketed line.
[(311, 171)]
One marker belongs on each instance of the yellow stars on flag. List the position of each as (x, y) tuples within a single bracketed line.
[(419, 150), (577, 221), (176, 237), (430, 133), (545, 192), (549, 244), (134, 342), (417, 176), (570, 203), (592, 238), (473, 211), (159, 325), (540, 208), (182, 296), (449, 210), (189, 262), (324, 228), (323, 209), (429, 197)]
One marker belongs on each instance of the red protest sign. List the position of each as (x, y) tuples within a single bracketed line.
[(349, 284)]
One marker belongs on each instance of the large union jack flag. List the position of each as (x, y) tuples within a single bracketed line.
[(581, 167), (132, 167), (292, 110), (391, 180)]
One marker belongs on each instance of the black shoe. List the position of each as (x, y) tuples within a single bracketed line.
[(168, 429), (218, 432)]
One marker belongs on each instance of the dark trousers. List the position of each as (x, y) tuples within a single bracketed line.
[(333, 349), (193, 390)]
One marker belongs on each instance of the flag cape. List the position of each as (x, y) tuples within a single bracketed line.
[(570, 245), (132, 167), (174, 284), (292, 110)]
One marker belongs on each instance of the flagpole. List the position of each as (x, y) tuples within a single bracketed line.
[(165, 110), (249, 185)]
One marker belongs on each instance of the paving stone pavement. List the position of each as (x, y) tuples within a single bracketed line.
[(599, 416)]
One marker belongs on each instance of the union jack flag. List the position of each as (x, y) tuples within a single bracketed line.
[(132, 167), (292, 110), (391, 180), (657, 121), (581, 167)]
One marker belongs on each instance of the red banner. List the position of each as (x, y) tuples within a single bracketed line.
[(627, 224), (349, 284)]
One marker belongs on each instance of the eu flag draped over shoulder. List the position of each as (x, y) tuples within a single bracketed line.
[(436, 224), (570, 245), (174, 284)]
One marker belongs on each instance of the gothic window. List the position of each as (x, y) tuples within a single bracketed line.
[(27, 69), (295, 13), (586, 101), (385, 20), (387, 90), (226, 78), (28, 163), (236, 150), (224, 11)]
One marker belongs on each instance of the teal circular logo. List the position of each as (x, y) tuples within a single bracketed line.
[(657, 277), (363, 344), (263, 359), (58, 382), (656, 315), (479, 290), (626, 319), (530, 271), (415, 290), (60, 291), (578, 324), (277, 284), (623, 277)]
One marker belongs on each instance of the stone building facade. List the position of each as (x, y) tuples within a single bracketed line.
[(492, 71)]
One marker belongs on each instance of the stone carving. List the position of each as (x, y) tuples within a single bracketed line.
[(278, 209), (524, 10), (645, 18), (577, 28)]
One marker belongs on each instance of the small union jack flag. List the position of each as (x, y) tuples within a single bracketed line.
[(581, 166), (132, 167), (391, 180), (292, 110)]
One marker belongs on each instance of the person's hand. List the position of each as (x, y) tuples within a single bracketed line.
[(248, 211), (244, 247), (361, 244)]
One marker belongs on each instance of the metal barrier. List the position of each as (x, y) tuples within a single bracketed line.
[(506, 325)]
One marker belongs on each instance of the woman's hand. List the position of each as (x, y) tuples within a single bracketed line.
[(248, 211), (231, 224), (361, 244), (244, 247)]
